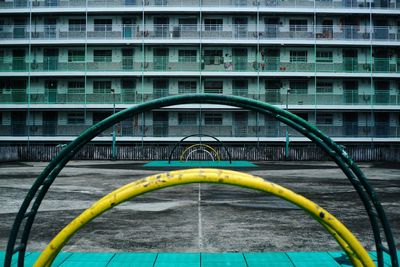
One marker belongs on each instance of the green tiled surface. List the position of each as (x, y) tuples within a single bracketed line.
[(341, 258), (270, 259), (312, 259), (200, 163), (133, 259), (223, 260), (178, 260)]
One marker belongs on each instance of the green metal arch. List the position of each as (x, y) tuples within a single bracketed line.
[(199, 135), (338, 154)]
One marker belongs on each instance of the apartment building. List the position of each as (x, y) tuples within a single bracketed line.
[(65, 65)]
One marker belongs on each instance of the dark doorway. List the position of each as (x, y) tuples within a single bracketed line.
[(19, 30), (382, 92), (271, 27), (240, 124), (350, 60), (160, 58), (239, 58), (18, 122), (161, 27), (128, 27), (240, 27), (160, 124), (381, 60), (18, 91), (127, 59), (50, 121), (381, 124), (327, 29), (160, 88), (50, 59), (18, 61), (272, 91), (350, 124), (50, 28), (350, 92), (271, 59), (50, 88)]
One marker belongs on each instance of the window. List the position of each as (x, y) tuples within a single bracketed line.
[(188, 24), (76, 55), (298, 25), (213, 119), (324, 87), (298, 56), (298, 87), (102, 25), (187, 56), (128, 86), (76, 87), (213, 57), (213, 87), (102, 87), (324, 56), (324, 119), (102, 55), (213, 24), (1, 25), (187, 87), (77, 25), (1, 56), (304, 116), (4, 87), (99, 116), (240, 87), (160, 88), (187, 118), (76, 118)]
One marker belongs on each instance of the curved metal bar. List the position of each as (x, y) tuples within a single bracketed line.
[(343, 236), (354, 174), (199, 149), (200, 145), (200, 135)]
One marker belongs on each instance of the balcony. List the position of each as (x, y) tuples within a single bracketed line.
[(194, 32), (345, 98), (192, 64), (129, 128), (247, 4)]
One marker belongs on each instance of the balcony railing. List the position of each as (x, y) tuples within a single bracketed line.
[(42, 95), (193, 31), (248, 4), (206, 64), (235, 129)]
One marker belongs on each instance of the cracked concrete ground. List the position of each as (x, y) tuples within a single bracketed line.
[(226, 219)]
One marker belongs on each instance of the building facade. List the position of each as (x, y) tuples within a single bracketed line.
[(64, 64)]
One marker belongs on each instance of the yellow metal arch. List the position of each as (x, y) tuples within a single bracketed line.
[(199, 145), (345, 238)]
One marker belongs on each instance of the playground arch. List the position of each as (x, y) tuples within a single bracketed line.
[(349, 243), (199, 135), (376, 214)]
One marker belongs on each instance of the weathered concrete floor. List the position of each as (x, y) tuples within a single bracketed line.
[(227, 219)]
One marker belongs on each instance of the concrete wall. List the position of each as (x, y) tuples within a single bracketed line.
[(9, 153)]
